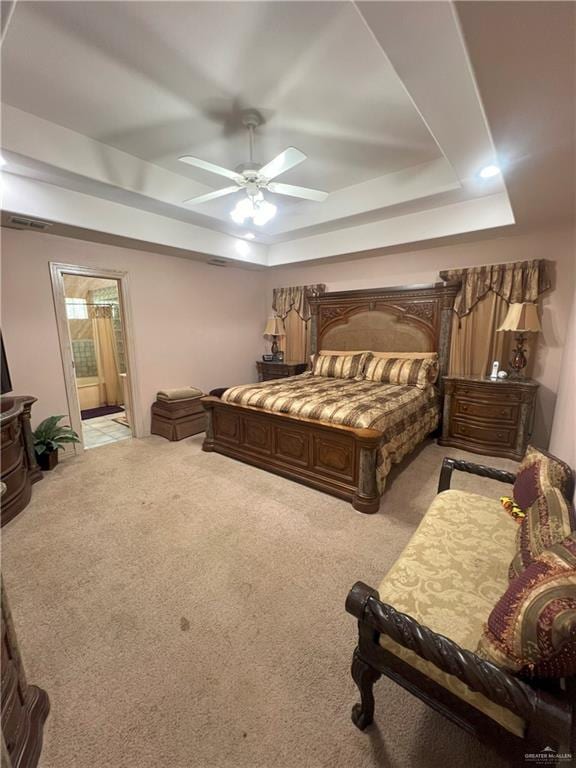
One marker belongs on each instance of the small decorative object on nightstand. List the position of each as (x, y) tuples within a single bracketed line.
[(521, 318), (492, 417), (277, 370), (275, 328)]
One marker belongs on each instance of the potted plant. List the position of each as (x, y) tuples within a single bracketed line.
[(49, 438)]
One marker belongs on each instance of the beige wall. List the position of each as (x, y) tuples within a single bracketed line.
[(563, 439), (202, 325), (192, 323), (423, 265)]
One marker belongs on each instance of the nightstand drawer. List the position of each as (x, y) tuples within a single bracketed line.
[(484, 390), (487, 434), (487, 411), (274, 369)]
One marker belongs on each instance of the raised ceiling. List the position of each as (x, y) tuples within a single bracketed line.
[(100, 99)]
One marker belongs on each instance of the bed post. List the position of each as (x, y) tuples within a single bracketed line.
[(367, 498), (313, 327)]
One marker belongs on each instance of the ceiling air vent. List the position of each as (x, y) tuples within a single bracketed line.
[(217, 262), (19, 222)]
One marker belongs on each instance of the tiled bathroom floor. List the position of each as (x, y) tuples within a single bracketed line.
[(103, 430)]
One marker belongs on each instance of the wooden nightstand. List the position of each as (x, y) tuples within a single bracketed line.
[(276, 370), (489, 417)]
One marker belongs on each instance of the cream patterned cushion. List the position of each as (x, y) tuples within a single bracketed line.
[(449, 577)]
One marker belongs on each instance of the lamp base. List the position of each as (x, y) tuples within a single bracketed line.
[(274, 349), (519, 361)]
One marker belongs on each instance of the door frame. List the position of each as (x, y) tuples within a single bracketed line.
[(57, 272)]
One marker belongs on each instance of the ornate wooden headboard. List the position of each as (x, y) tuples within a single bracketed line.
[(413, 318)]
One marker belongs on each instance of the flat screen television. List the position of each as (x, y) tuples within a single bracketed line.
[(5, 382)]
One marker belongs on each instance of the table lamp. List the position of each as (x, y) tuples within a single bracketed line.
[(521, 319), (274, 328)]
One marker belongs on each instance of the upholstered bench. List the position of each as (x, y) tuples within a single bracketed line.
[(178, 413), (465, 576)]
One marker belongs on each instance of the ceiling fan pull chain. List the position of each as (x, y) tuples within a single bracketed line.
[(251, 133)]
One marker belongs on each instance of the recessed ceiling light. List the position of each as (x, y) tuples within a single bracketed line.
[(249, 236), (489, 171)]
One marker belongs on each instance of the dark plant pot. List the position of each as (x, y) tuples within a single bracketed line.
[(47, 460)]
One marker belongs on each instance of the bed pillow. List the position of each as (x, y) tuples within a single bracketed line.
[(339, 366), (538, 471), (548, 521), (532, 628), (412, 355), (415, 372)]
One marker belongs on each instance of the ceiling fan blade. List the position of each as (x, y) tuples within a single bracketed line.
[(211, 167), (212, 195), (282, 162), (304, 192)]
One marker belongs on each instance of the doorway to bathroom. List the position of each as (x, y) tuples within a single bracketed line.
[(91, 313)]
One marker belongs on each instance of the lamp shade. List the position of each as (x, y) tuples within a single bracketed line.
[(522, 318), (274, 327)]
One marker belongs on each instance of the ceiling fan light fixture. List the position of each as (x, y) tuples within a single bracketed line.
[(256, 208)]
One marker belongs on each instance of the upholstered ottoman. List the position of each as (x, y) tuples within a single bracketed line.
[(178, 413)]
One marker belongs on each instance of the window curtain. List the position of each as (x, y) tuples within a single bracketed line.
[(292, 305), (481, 306), (106, 354)]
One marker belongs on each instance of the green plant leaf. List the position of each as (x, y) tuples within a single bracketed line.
[(50, 435)]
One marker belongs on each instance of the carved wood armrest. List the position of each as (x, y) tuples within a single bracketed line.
[(449, 465), (532, 705)]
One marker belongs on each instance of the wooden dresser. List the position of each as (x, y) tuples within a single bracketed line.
[(276, 370), (19, 466), (489, 417), (24, 707)]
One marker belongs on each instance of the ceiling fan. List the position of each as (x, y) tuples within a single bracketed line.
[(253, 178)]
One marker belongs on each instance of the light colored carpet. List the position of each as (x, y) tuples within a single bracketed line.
[(183, 609)]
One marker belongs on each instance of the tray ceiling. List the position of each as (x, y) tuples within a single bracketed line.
[(100, 99)]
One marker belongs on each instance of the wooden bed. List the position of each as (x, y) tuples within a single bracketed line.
[(337, 459)]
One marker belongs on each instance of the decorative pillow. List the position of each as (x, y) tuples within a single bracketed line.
[(339, 366), (549, 520), (538, 471), (532, 628), (411, 355), (415, 372)]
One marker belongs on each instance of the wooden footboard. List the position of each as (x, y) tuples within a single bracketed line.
[(331, 458)]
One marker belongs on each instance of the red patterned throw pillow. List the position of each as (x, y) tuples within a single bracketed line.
[(538, 471), (532, 629), (548, 521)]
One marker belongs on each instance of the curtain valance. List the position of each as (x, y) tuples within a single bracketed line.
[(295, 297), (96, 311), (514, 282)]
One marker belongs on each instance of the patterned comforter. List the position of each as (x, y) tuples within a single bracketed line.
[(404, 414)]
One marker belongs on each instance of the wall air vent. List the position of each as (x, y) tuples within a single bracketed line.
[(19, 222), (217, 262)]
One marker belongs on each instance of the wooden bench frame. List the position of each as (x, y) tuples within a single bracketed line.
[(547, 707)]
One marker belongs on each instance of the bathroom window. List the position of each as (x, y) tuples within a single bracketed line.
[(76, 309)]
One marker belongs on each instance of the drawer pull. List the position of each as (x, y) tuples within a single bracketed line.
[(464, 407), (499, 435)]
